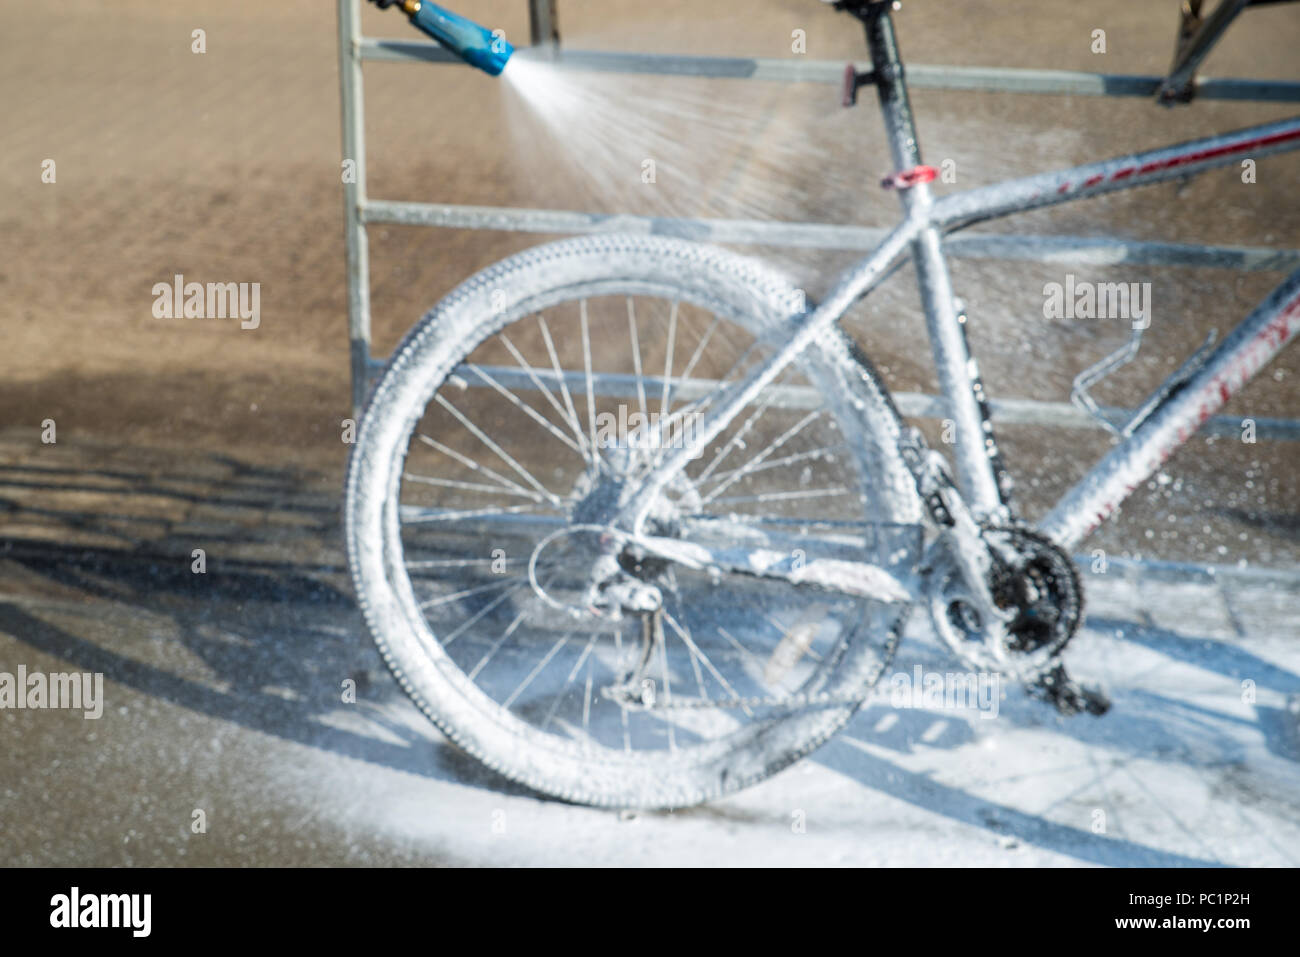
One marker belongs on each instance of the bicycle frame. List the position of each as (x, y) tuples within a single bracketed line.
[(1187, 404)]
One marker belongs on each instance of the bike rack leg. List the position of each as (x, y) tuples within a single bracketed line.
[(1197, 36), (544, 26), (545, 33), (354, 197)]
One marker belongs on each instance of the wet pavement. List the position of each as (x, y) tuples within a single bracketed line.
[(223, 689), (224, 694)]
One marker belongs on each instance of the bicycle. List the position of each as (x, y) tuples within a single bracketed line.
[(655, 607)]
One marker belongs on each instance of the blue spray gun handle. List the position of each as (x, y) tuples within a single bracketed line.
[(476, 45)]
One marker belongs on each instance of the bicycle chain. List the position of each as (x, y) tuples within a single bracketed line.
[(1069, 614), (934, 486)]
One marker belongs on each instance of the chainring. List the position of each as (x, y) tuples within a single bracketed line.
[(1032, 579)]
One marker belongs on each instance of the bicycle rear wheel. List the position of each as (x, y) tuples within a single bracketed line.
[(485, 461)]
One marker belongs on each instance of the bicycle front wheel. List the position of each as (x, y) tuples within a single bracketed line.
[(486, 460)]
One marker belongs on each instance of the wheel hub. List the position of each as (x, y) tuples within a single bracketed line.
[(621, 578)]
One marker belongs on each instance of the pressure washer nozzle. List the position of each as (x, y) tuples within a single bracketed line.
[(476, 45)]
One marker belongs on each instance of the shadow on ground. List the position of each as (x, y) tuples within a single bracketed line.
[(227, 643)]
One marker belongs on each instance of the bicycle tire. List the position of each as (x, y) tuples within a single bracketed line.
[(731, 285)]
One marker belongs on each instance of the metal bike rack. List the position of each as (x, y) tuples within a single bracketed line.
[(361, 211)]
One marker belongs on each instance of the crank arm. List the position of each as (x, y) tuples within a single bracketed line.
[(959, 531), (860, 579)]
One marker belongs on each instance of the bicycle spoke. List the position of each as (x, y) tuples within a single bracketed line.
[(513, 581), (480, 614), (726, 380), (559, 698), (695, 650), (586, 703), (569, 417), (448, 515), (505, 635), (627, 729), (525, 408), (596, 459), (759, 459), (699, 350), (636, 358), (812, 454), (668, 692), (466, 486), (739, 438), (690, 367), (668, 361), (456, 596), (586, 363), (453, 562), (695, 663), (477, 467), (537, 670), (478, 433)]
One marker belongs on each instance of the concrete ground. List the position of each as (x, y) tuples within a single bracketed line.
[(222, 689), (222, 695)]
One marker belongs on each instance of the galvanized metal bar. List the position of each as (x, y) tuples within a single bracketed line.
[(831, 72), (1150, 569), (406, 51), (742, 232), (1026, 412), (544, 26), (352, 104), (749, 232)]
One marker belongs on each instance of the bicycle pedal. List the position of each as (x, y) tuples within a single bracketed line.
[(1065, 694)]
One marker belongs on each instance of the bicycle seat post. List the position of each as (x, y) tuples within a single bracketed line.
[(981, 477), (887, 76)]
